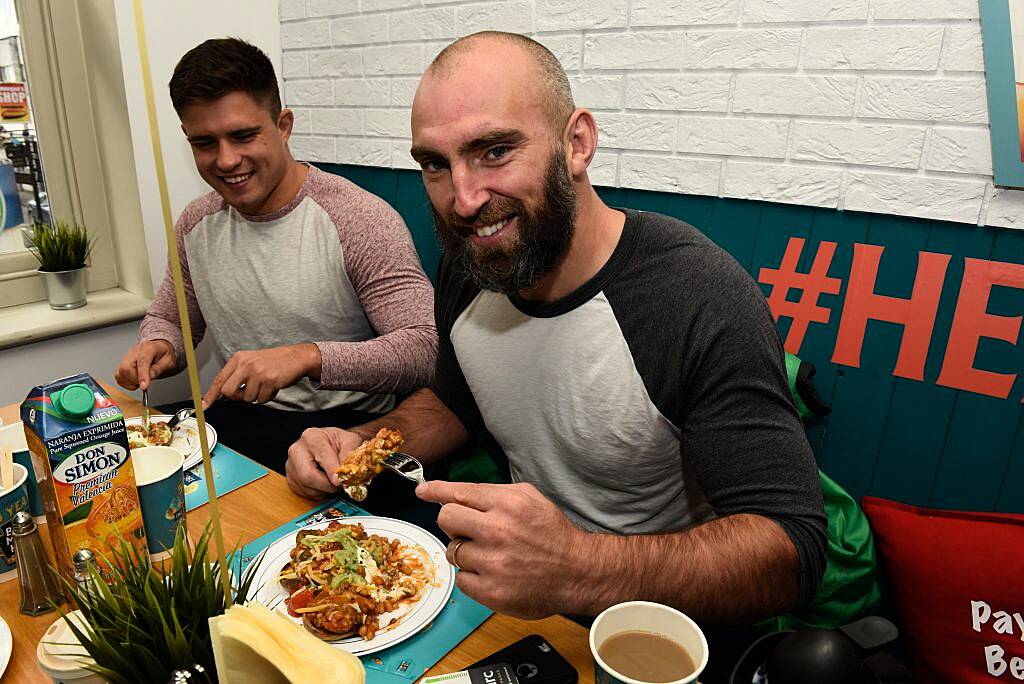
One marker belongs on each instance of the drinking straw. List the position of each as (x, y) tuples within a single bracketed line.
[(179, 291), (6, 468)]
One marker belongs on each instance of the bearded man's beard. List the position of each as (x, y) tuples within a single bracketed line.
[(543, 236)]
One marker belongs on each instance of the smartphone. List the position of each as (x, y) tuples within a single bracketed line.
[(534, 661)]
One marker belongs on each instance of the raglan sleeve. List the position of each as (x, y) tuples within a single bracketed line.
[(740, 429), (449, 384)]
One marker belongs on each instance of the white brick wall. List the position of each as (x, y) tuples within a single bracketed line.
[(869, 105)]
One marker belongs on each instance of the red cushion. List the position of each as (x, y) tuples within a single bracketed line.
[(957, 581)]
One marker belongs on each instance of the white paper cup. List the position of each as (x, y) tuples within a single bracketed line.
[(13, 436), (646, 617), (12, 500), (60, 655)]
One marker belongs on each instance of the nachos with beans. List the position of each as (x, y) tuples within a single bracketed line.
[(341, 580)]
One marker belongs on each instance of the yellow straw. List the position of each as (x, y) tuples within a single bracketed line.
[(179, 291)]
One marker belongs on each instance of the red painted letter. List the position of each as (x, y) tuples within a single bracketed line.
[(971, 323), (814, 284), (917, 314)]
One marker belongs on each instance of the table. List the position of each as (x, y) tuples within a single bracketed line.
[(245, 516)]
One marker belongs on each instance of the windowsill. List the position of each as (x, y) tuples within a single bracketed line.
[(28, 323)]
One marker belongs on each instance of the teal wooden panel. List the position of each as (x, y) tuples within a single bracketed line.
[(696, 211), (976, 459), (1009, 247), (778, 223), (862, 395), (915, 432), (854, 431), (996, 355), (976, 453), (613, 197), (414, 206), (381, 182), (1011, 492), (734, 228), (843, 228), (641, 200), (920, 412)]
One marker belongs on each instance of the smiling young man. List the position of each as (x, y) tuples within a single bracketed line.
[(629, 368), (311, 287)]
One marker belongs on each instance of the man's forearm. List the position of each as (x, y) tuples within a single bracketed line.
[(430, 430), (734, 569)]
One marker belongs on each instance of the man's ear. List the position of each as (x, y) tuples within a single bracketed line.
[(285, 122), (581, 136)]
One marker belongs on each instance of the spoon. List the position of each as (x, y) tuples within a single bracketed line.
[(145, 410)]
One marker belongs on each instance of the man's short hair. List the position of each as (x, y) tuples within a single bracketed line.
[(553, 78), (220, 66)]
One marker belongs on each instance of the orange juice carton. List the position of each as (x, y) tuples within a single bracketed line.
[(80, 451)]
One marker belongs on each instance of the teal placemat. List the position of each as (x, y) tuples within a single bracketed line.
[(408, 660), (231, 470)]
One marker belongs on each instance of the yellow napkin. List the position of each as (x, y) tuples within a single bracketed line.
[(252, 645)]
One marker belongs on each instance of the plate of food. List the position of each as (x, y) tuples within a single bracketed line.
[(362, 583), (184, 436)]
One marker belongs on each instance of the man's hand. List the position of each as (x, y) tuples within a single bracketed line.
[(145, 361), (313, 459), (257, 376), (515, 542)]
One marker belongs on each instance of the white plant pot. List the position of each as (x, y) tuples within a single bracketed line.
[(64, 289)]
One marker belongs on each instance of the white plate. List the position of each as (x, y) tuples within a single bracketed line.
[(414, 616), (6, 643), (185, 437)]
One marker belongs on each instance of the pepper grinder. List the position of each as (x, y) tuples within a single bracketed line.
[(39, 588)]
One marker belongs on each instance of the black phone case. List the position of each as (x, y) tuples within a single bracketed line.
[(534, 661)]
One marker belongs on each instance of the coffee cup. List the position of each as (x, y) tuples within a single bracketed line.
[(12, 500), (61, 656), (159, 476), (650, 619), (13, 437)]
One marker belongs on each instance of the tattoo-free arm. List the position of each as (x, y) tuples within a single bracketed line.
[(740, 568), (431, 431)]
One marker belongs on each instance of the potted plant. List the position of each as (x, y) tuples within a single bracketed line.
[(153, 619), (62, 250)]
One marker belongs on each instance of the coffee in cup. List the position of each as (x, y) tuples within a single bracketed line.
[(647, 657), (640, 642)]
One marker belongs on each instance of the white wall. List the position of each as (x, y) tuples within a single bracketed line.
[(172, 29), (873, 105)]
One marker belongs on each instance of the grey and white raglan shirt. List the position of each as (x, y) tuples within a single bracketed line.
[(651, 399), (336, 266)]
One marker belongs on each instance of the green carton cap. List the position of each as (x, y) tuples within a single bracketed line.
[(74, 401)]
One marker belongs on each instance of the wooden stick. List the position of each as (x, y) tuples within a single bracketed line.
[(179, 291), (6, 468)]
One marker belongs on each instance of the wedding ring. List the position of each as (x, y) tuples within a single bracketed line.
[(455, 552)]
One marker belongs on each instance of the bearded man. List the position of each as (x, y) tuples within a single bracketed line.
[(629, 368)]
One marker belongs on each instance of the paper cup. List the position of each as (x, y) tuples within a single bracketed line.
[(13, 437), (12, 500), (62, 657), (647, 617), (159, 476)]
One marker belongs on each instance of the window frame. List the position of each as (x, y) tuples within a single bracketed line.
[(64, 60)]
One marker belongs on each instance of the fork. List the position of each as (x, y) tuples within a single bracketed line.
[(180, 416), (405, 465)]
